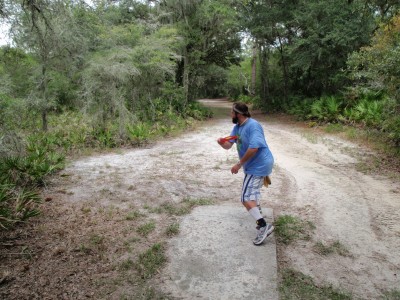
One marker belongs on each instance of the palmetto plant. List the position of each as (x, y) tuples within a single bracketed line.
[(317, 110), (21, 174), (42, 159), (139, 132), (17, 205), (5, 212), (327, 109), (301, 108), (26, 204), (369, 112), (333, 107)]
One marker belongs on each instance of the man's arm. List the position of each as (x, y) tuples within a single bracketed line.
[(247, 156)]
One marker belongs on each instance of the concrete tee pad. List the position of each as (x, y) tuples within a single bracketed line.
[(213, 257)]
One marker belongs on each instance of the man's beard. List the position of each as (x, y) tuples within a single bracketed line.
[(235, 120)]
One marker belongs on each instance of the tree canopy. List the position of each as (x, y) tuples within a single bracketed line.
[(118, 58)]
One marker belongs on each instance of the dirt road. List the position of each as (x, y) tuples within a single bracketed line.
[(87, 239)]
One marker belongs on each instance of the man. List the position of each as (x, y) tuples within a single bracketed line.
[(256, 160)]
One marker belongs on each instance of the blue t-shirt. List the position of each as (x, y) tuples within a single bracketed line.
[(251, 135)]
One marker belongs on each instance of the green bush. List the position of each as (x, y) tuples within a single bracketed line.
[(198, 111), (105, 137), (299, 107), (42, 157), (326, 109), (31, 169), (174, 96), (21, 174), (245, 99), (15, 114), (367, 112), (71, 129), (392, 127), (139, 132)]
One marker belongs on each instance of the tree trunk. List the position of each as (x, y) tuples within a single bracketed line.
[(253, 71), (265, 97), (44, 120), (186, 75), (284, 70), (43, 94)]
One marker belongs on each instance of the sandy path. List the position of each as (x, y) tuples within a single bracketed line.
[(314, 178)]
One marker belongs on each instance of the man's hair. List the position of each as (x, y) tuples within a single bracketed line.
[(241, 108)]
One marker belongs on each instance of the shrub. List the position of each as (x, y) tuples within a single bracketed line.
[(20, 174), (197, 111), (369, 113), (300, 107), (327, 109), (392, 127), (139, 132)]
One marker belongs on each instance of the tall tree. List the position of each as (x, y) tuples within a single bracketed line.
[(383, 9), (127, 72), (253, 70), (312, 40), (377, 67), (327, 32), (270, 24), (210, 33), (48, 30)]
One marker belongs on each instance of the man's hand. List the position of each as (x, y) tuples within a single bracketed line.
[(235, 169), (224, 144)]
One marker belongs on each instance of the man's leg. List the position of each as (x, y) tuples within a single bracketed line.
[(254, 211), (250, 197)]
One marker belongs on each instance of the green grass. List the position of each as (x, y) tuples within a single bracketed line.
[(331, 248), (26, 252), (96, 239), (312, 138), (17, 204), (334, 128), (174, 209), (84, 249), (179, 209), (134, 215), (351, 133), (392, 295), (146, 293), (289, 229), (126, 265), (151, 261), (172, 230), (146, 229), (297, 286)]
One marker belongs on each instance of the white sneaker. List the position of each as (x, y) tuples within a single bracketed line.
[(263, 233)]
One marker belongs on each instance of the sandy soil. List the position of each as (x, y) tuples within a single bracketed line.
[(87, 241)]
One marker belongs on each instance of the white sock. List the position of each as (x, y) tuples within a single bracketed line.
[(255, 212)]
